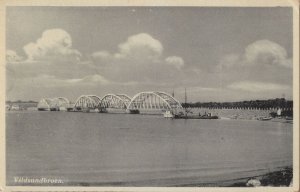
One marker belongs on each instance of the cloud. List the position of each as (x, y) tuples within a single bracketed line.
[(12, 56), (139, 59), (95, 79), (175, 61), (253, 86), (258, 53), (54, 81), (59, 69), (262, 66), (101, 56), (266, 52), (140, 46), (54, 44)]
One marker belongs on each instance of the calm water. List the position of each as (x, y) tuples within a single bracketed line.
[(141, 150)]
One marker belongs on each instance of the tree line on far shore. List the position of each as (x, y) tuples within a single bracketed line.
[(20, 101), (252, 104)]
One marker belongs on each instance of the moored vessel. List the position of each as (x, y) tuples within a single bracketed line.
[(186, 116), (168, 114), (265, 118)]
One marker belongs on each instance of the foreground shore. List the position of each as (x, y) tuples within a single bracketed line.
[(280, 178)]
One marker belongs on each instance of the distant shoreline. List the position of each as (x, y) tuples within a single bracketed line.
[(265, 104)]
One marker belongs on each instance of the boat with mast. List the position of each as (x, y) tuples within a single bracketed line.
[(169, 113), (188, 114)]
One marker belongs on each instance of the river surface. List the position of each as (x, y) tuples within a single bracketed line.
[(141, 150)]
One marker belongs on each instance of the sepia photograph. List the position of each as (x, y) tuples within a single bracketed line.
[(150, 96)]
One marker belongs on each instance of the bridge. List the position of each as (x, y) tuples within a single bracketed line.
[(150, 101), (153, 101), (44, 104), (112, 101), (87, 103), (55, 104)]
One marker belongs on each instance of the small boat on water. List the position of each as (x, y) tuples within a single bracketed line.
[(265, 118), (134, 111), (168, 114), (188, 114), (208, 116)]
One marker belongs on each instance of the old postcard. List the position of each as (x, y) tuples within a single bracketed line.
[(149, 95)]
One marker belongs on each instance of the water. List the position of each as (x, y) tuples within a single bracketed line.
[(141, 150)]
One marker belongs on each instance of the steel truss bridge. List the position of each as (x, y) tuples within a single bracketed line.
[(150, 100), (153, 101), (85, 102), (55, 104)]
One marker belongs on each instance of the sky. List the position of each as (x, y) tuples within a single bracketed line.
[(216, 53)]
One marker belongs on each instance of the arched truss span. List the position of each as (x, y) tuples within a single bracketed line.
[(125, 98), (154, 100), (44, 103), (114, 101), (87, 101), (59, 102)]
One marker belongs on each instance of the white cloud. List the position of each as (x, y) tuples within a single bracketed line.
[(53, 81), (261, 68), (139, 59), (95, 79), (266, 52), (102, 55), (12, 56), (258, 53), (140, 46), (55, 44), (253, 86), (88, 80), (175, 61)]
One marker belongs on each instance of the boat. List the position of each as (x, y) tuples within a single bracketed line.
[(209, 117), (265, 118), (134, 111), (188, 114), (168, 114), (195, 116)]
